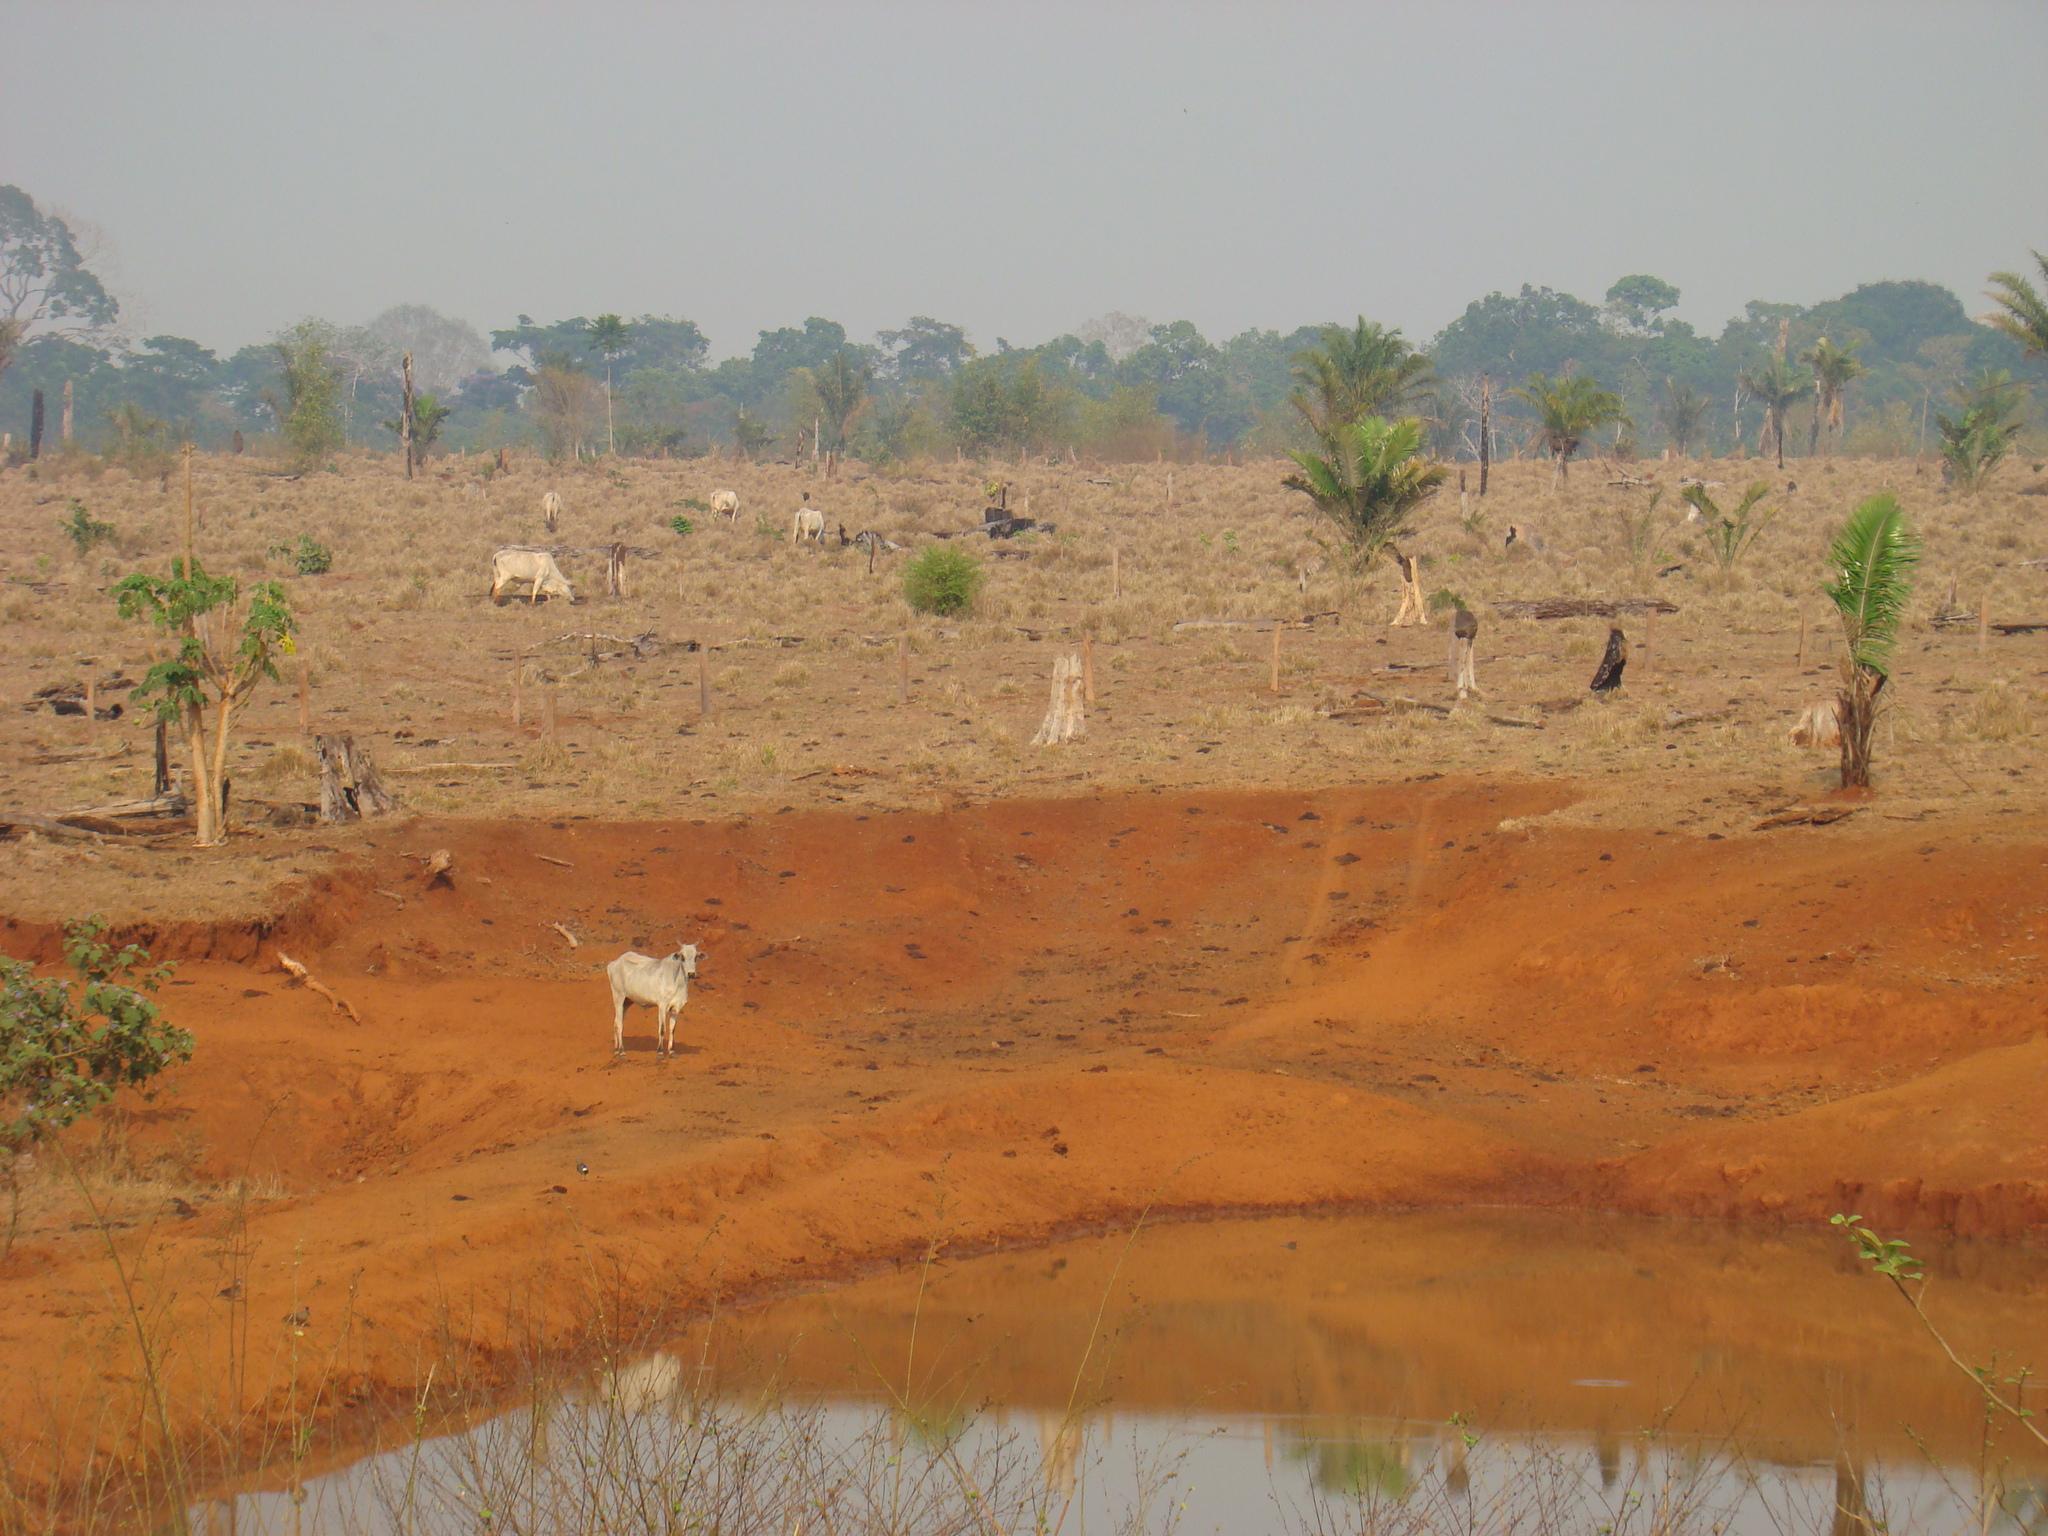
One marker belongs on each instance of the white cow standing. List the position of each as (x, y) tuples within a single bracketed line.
[(513, 567), (726, 504), (551, 509), (663, 984), (809, 525)]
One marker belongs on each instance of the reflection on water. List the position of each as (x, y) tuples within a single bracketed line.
[(1388, 1375)]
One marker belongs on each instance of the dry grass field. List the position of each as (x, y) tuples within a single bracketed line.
[(1347, 944), (400, 647)]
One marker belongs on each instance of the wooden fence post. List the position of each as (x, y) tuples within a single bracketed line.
[(1802, 642), (518, 703), (1088, 667), (1983, 622), (305, 699), (405, 413), (92, 712), (903, 669), (1116, 573), (703, 682), (1273, 685)]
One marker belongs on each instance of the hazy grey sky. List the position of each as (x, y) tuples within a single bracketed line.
[(1016, 169)]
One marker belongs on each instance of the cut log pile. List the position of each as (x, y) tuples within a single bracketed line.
[(1580, 607)]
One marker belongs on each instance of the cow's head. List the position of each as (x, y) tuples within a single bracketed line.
[(687, 953)]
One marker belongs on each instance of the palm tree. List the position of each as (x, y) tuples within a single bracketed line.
[(842, 386), (2025, 317), (1833, 369), (1872, 559), (1683, 414), (1568, 410), (1368, 370), (1774, 384), (1370, 484), (608, 335), (1977, 439)]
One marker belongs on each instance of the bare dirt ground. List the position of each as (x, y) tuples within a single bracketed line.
[(1232, 952)]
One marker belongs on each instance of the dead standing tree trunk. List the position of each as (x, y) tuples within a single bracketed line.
[(1612, 663), (1485, 430), (1464, 630), (1064, 715), (363, 794), (405, 415)]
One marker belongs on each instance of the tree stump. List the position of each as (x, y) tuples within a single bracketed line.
[(1464, 630), (1608, 678), (615, 571), (1414, 606), (336, 804), (350, 787), (1064, 715)]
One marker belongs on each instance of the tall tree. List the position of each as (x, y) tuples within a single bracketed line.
[(2023, 311), (1872, 562), (309, 415), (1638, 303), (44, 280), (1682, 413), (1834, 368), (1775, 385), (1368, 484), (841, 383), (609, 336), (1567, 410), (926, 349), (1368, 370)]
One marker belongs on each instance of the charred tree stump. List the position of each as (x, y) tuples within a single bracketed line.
[(615, 571), (1464, 630), (35, 426), (372, 798), (405, 416), (162, 782), (350, 787), (1485, 430), (1608, 678), (336, 804), (237, 444), (1064, 715)]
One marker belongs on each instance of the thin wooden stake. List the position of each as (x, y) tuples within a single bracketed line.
[(1802, 642), (703, 683), (1274, 684), (305, 701), (903, 669), (92, 712), (1649, 641), (1983, 622), (1116, 574), (1088, 667), (518, 702)]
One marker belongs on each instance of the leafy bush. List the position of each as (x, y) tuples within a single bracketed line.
[(65, 1052), (942, 580), (83, 529), (309, 557), (683, 526)]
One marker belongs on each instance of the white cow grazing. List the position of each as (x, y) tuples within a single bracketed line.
[(663, 984), (726, 504), (511, 567), (551, 509), (810, 524)]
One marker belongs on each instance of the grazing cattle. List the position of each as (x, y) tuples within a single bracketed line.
[(726, 504), (511, 567), (551, 509), (662, 984), (809, 524)]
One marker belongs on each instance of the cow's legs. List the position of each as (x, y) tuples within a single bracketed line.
[(536, 591), (618, 1024)]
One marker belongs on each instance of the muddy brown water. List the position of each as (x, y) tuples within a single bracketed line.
[(1479, 1371)]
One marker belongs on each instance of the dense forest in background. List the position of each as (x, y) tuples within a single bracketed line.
[(1117, 388)]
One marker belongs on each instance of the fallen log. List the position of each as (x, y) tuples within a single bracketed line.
[(1969, 620), (49, 826), (1580, 607), (300, 973), (1260, 626), (1808, 816)]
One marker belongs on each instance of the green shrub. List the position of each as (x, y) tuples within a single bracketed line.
[(83, 529), (682, 526), (309, 557), (942, 580)]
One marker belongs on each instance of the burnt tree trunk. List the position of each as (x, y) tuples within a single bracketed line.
[(1856, 712), (1612, 664), (405, 413), (35, 426), (336, 805), (1485, 429)]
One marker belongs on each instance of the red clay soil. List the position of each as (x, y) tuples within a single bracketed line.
[(1012, 1022)]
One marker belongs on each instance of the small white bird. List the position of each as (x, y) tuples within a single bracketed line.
[(583, 1168)]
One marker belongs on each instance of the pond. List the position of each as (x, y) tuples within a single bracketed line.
[(1478, 1372)]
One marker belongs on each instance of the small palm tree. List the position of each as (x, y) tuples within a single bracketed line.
[(1976, 440), (842, 386), (2025, 312), (1368, 370), (608, 337), (1683, 414), (1872, 559), (1775, 385), (1834, 368), (1369, 484), (1568, 410)]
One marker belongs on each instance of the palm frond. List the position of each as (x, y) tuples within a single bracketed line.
[(1873, 559), (2025, 316)]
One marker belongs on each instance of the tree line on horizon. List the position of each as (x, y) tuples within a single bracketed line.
[(1877, 370)]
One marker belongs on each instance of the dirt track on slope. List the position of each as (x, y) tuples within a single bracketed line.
[(1011, 1022)]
